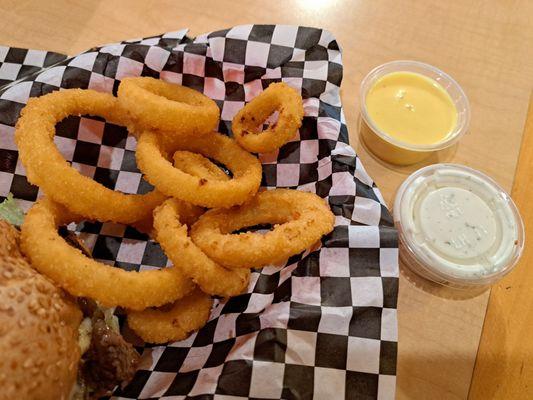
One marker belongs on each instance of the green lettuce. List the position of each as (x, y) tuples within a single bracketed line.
[(11, 212)]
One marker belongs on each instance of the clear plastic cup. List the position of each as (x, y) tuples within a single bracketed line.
[(399, 152), (457, 227)]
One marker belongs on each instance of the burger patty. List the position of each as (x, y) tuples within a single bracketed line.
[(109, 361)]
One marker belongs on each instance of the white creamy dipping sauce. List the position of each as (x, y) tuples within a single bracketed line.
[(458, 225)]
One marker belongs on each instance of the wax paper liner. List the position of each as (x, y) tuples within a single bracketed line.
[(324, 325)]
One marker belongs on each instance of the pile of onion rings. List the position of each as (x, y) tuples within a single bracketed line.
[(180, 154)]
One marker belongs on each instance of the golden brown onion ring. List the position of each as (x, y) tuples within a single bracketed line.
[(173, 322), (248, 121), (299, 219), (159, 105), (46, 167), (198, 165), (82, 276), (172, 235), (153, 152), (189, 214)]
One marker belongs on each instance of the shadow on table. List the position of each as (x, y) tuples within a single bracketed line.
[(440, 290)]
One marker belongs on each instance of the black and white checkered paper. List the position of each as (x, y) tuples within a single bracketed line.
[(323, 326)]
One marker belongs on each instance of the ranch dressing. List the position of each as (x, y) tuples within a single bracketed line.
[(457, 225)]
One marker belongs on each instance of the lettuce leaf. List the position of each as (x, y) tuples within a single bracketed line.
[(11, 212)]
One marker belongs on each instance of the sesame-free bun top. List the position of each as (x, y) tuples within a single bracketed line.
[(38, 335)]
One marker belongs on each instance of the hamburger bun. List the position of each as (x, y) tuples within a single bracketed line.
[(38, 331), (9, 240)]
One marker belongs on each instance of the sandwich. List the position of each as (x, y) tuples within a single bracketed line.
[(55, 346)]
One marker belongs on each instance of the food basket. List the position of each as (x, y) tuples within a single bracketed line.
[(321, 326)]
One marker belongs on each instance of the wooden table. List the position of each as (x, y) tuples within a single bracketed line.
[(486, 46)]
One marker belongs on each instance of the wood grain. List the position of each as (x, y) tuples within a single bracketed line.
[(504, 365), (485, 45)]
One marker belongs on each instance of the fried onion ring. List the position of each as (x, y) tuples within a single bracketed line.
[(159, 105), (189, 214), (248, 121), (198, 165), (46, 167), (173, 322), (82, 276), (186, 256), (152, 158), (299, 219)]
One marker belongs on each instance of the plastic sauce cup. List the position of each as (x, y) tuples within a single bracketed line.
[(393, 150), (457, 227)]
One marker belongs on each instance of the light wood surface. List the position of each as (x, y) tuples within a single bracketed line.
[(504, 365), (485, 45)]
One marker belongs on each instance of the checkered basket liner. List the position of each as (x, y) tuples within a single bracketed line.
[(321, 327)]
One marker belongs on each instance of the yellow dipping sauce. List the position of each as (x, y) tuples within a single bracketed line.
[(412, 108)]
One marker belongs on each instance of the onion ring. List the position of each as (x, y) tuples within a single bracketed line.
[(177, 323), (152, 158), (248, 121), (186, 256), (159, 105), (46, 167), (302, 219), (198, 165), (82, 276), (189, 214)]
